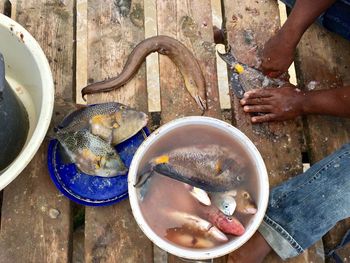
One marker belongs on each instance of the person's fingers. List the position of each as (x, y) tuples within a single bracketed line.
[(258, 93), (258, 108), (271, 73), (255, 101), (264, 118)]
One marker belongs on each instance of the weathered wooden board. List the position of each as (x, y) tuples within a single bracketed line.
[(152, 60), (35, 220), (190, 22), (324, 62), (224, 92), (114, 29), (249, 25)]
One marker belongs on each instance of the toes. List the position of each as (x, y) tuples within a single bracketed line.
[(264, 118), (258, 108)]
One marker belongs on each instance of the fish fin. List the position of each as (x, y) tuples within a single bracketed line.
[(218, 167), (162, 159), (65, 158), (144, 134), (143, 177), (69, 118), (201, 103), (222, 166), (143, 190)]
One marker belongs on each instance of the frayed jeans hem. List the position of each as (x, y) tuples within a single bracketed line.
[(279, 239)]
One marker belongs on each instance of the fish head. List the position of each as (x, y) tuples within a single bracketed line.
[(111, 165), (232, 225), (245, 203), (227, 205), (126, 123), (227, 224), (107, 165)]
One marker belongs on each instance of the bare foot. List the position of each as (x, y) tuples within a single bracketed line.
[(276, 104), (254, 251)]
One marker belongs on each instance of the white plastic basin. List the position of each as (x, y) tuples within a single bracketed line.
[(29, 74), (254, 156)]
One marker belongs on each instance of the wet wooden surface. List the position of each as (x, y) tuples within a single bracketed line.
[(105, 33)]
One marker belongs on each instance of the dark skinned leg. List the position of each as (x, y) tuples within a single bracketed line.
[(254, 251)]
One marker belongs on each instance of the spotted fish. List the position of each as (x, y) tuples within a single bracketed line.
[(91, 154), (113, 122), (212, 168)]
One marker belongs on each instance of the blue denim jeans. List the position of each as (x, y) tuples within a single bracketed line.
[(335, 19), (304, 208)]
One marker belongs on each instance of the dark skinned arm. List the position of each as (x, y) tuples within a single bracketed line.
[(289, 102), (279, 51)]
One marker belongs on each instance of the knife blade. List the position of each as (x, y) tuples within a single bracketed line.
[(235, 83)]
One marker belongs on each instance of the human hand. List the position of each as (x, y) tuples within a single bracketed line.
[(277, 55), (276, 104)]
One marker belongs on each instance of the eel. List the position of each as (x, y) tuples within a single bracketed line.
[(175, 50)]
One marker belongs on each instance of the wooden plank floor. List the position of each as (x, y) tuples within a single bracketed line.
[(114, 28), (90, 42), (35, 217)]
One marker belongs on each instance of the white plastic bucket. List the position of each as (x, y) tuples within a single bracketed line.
[(263, 188), (29, 74)]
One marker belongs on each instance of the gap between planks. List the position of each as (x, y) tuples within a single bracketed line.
[(81, 49)]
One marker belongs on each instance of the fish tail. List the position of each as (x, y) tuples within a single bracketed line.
[(143, 177)]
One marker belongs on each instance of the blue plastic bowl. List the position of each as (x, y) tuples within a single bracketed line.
[(92, 190)]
